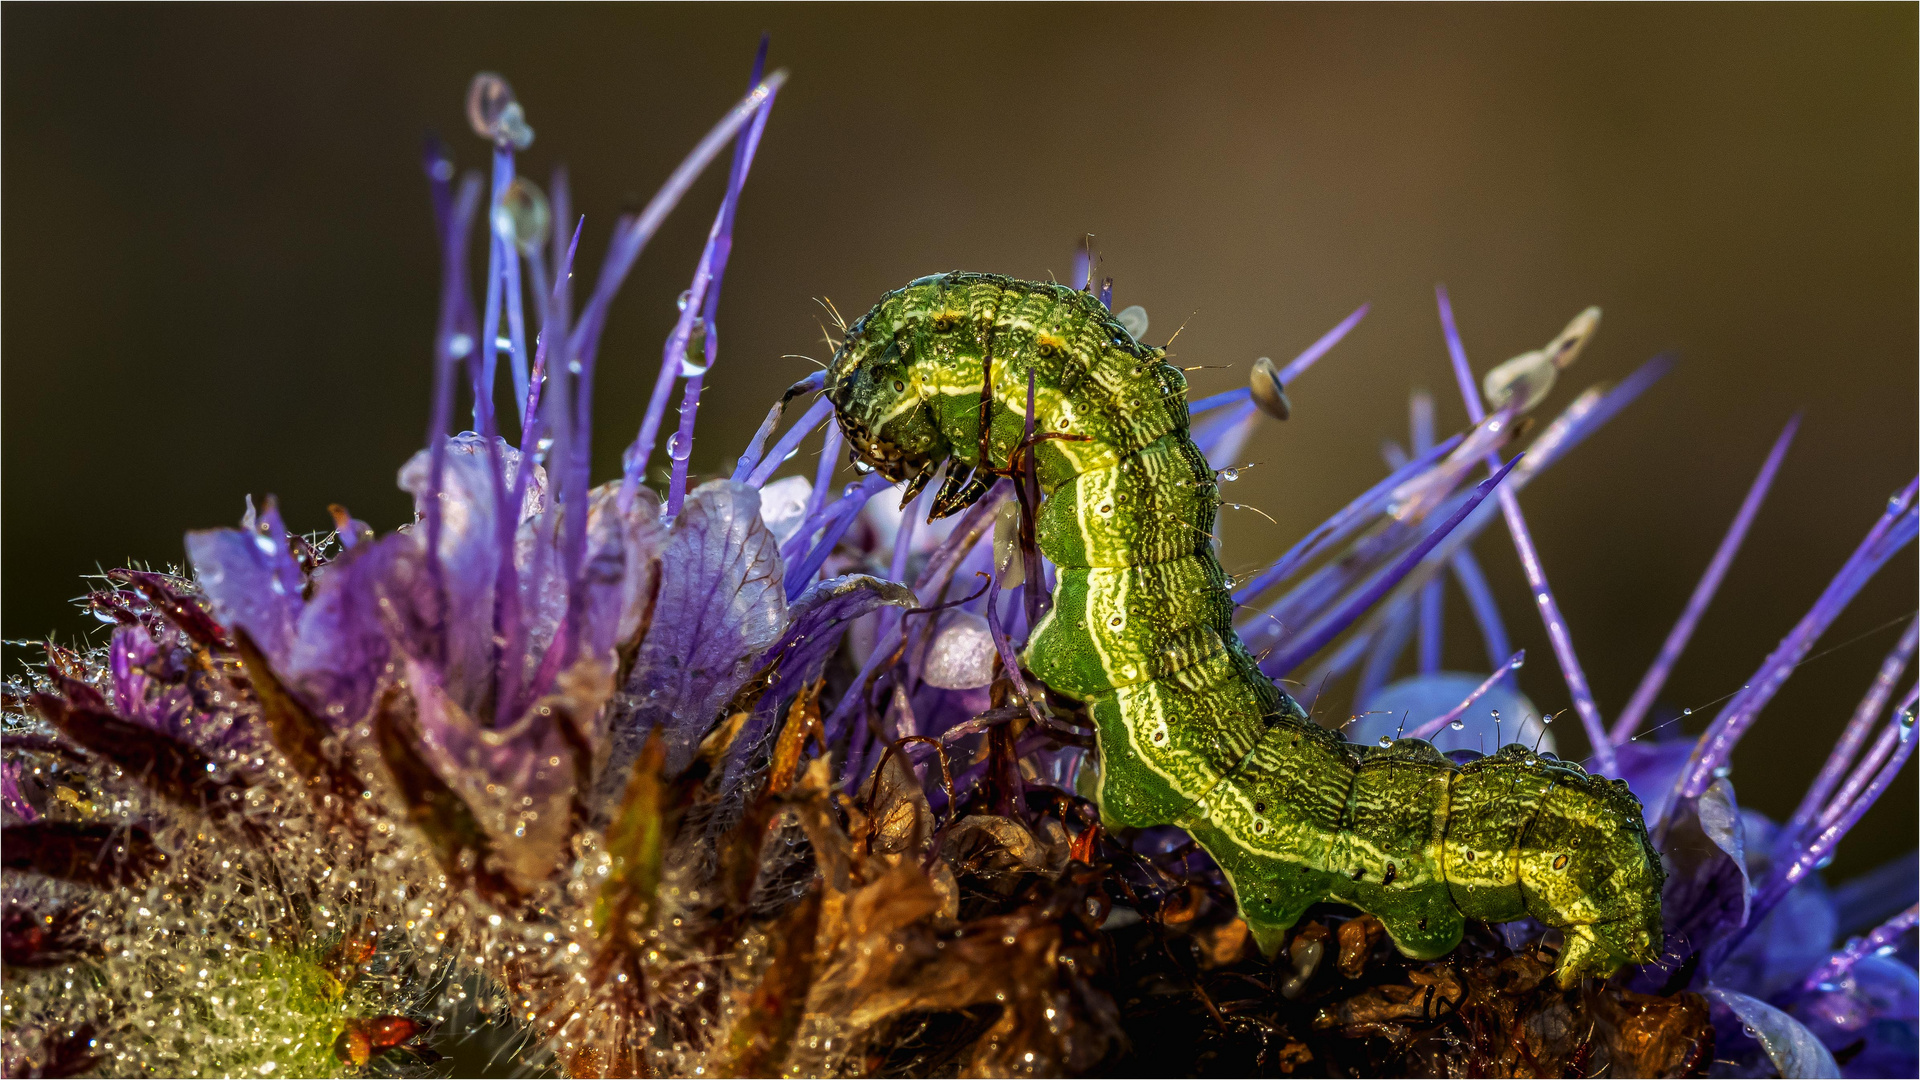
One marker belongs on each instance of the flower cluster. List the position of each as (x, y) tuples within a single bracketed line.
[(745, 778)]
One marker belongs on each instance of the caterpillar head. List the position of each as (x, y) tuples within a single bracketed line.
[(1588, 866), (878, 402)]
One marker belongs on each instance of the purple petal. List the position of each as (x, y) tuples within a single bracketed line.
[(241, 575), (1708, 886), (820, 618), (471, 551), (624, 549), (1874, 1001), (721, 604), (361, 600), (1788, 1044)]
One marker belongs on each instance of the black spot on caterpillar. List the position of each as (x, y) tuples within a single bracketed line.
[(1191, 732)]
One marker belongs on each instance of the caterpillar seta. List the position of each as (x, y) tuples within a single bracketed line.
[(1190, 731)]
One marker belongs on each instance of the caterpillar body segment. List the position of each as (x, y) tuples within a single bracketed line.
[(1191, 732)]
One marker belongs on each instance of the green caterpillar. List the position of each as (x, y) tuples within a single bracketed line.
[(1191, 732)]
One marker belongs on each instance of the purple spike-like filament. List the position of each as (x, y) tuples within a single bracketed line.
[(490, 319), (1894, 529), (1865, 715), (1420, 417), (1343, 616), (1556, 623), (1294, 369), (1863, 772), (750, 459), (815, 415), (1790, 871), (631, 234), (1656, 676), (553, 307), (706, 302), (836, 522), (452, 343), (1884, 936), (1341, 525), (1587, 414), (1434, 726)]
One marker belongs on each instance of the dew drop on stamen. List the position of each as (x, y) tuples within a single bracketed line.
[(686, 297), (679, 449), (1687, 711), (1230, 475), (527, 216), (1458, 725)]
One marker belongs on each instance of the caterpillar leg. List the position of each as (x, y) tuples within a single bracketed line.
[(1423, 923), (1273, 892), (959, 492)]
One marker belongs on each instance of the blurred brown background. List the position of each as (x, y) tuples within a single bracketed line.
[(220, 276)]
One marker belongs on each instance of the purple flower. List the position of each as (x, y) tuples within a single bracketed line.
[(747, 777)]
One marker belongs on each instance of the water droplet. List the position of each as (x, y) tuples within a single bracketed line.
[(1386, 740), (1686, 711), (1519, 662), (1458, 725), (1496, 715), (1230, 475), (459, 345), (1547, 719), (1134, 319), (679, 449), (527, 216), (686, 297), (1894, 503), (1543, 599), (1722, 772), (859, 466), (495, 113)]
